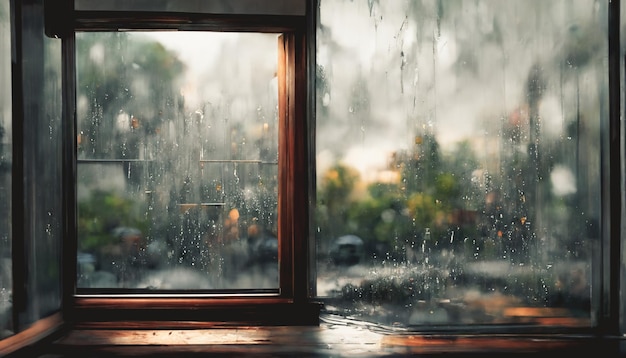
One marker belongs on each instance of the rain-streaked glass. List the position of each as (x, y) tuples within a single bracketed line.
[(458, 159), (177, 160), (6, 286), (42, 98)]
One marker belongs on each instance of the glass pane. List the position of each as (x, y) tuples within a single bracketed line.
[(42, 168), (6, 286), (458, 159), (46, 256), (177, 169)]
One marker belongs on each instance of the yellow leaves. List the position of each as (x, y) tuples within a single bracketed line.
[(331, 176)]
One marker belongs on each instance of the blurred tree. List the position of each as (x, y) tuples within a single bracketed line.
[(381, 220), (464, 181), (334, 197), (421, 166), (102, 213), (124, 97)]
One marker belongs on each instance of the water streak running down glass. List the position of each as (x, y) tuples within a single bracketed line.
[(458, 159), (177, 160)]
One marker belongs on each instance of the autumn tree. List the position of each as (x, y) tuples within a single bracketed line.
[(334, 199)]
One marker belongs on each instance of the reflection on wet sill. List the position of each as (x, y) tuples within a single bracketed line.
[(333, 337)]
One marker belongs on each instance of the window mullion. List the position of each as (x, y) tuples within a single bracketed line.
[(285, 160)]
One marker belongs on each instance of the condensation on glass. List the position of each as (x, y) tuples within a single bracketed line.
[(42, 190), (458, 159), (6, 285), (177, 160)]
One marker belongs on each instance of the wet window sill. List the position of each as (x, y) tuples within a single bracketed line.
[(326, 339)]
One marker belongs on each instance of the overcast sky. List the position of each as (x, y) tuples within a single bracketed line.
[(457, 74)]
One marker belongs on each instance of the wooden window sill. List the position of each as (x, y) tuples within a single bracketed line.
[(327, 339)]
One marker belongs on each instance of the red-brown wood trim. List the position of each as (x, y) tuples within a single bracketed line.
[(33, 334), (170, 303), (293, 209), (190, 313), (294, 166), (285, 163), (300, 169)]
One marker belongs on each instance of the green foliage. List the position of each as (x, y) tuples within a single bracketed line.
[(151, 56), (335, 190), (333, 201), (103, 212), (421, 165), (392, 214), (380, 218), (338, 182), (423, 209), (363, 217), (447, 188)]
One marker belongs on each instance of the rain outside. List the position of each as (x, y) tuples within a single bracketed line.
[(457, 160)]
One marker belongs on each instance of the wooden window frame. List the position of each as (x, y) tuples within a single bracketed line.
[(294, 303), (29, 325)]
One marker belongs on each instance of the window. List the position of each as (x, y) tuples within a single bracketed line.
[(177, 160), (31, 178), (187, 156), (459, 161), (433, 165)]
